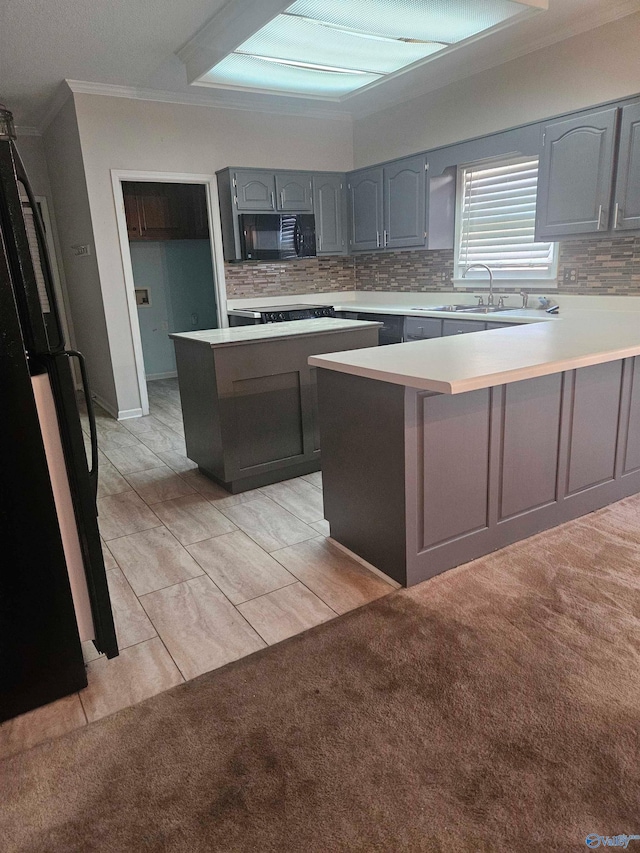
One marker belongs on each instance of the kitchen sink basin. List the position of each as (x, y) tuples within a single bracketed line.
[(467, 309)]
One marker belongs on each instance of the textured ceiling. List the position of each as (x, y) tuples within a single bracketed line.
[(133, 42)]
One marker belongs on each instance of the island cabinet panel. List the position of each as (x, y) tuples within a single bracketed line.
[(632, 438), (276, 403), (363, 459), (593, 425), (250, 409), (443, 479), (453, 464), (530, 429)]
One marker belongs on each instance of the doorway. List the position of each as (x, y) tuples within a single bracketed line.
[(175, 283)]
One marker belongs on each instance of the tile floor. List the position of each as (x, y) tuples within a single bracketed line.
[(198, 577)]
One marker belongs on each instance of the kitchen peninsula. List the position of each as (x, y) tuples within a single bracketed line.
[(436, 452), (249, 400)]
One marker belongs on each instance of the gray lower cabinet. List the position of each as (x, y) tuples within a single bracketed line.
[(254, 190), (294, 192), (405, 203), (250, 409), (446, 478), (626, 211), (422, 328), (329, 204), (462, 327), (366, 213), (575, 175)]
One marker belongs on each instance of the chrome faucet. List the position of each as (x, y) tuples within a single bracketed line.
[(488, 269)]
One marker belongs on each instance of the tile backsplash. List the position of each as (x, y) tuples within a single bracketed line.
[(604, 266), (311, 275)]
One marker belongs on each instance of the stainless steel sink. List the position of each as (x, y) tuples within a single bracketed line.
[(467, 309)]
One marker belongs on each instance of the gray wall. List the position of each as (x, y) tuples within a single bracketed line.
[(73, 216), (600, 65), (120, 133)]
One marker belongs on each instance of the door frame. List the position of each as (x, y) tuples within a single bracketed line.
[(215, 240)]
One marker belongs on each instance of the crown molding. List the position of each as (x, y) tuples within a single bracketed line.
[(25, 130), (251, 102), (604, 13)]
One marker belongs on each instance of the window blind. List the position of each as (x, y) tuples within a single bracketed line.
[(498, 218)]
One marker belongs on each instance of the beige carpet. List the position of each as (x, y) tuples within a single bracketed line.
[(495, 708)]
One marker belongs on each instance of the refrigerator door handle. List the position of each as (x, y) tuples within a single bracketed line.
[(93, 470)]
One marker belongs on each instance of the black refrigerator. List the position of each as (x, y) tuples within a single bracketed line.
[(53, 584)]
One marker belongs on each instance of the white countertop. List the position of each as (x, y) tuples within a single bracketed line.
[(519, 315), (268, 331), (455, 364)]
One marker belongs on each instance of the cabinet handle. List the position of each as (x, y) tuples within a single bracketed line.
[(377, 239), (616, 216), (273, 201), (281, 198), (599, 226), (320, 241), (384, 237)]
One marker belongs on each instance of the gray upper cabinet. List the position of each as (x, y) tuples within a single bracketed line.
[(405, 203), (626, 211), (329, 203), (575, 175), (293, 192), (365, 209), (388, 206), (254, 190)]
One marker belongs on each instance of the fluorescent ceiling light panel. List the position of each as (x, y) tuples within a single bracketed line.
[(331, 48)]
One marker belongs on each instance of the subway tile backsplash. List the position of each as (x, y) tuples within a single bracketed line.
[(604, 266)]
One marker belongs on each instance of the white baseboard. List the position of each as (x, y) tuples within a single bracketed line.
[(126, 414), (171, 374)]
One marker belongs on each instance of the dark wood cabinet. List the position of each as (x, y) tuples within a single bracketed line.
[(159, 211)]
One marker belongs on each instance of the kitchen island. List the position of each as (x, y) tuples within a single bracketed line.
[(249, 400), (436, 452)]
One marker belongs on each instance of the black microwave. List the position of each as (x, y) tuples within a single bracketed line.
[(277, 236)]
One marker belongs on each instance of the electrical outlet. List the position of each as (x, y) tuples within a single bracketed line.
[(570, 275), (444, 276)]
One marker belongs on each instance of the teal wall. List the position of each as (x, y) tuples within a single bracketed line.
[(179, 276)]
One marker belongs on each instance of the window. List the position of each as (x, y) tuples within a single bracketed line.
[(495, 225)]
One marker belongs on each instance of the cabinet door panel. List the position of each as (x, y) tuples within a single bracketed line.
[(422, 328), (461, 327), (329, 207), (575, 175), (592, 452), (405, 203), (255, 190), (365, 193), (274, 401), (627, 198), (293, 193)]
